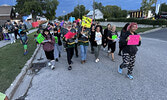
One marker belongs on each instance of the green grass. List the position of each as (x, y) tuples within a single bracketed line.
[(12, 61), (137, 31)]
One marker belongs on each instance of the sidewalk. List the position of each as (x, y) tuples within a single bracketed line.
[(4, 43)]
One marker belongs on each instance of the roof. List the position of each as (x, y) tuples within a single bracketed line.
[(5, 10), (96, 11)]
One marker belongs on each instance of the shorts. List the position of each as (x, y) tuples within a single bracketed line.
[(25, 47)]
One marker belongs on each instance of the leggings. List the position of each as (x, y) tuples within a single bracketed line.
[(128, 62), (112, 47), (70, 53)]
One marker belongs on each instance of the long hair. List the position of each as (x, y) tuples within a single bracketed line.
[(125, 27), (46, 30)]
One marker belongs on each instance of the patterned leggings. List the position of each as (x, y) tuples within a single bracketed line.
[(128, 62)]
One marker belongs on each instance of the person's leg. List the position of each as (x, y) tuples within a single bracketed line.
[(51, 54), (11, 40), (125, 63), (95, 51), (56, 52), (131, 64), (98, 52), (69, 56), (82, 53), (92, 48), (72, 52), (15, 33), (60, 50), (13, 36), (85, 53), (113, 46)]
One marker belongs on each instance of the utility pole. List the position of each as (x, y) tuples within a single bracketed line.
[(94, 10), (79, 9)]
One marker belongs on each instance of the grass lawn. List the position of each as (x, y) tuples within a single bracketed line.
[(138, 30), (12, 61)]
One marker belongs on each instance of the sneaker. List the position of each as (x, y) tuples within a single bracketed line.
[(56, 60), (49, 64), (130, 76), (14, 41), (119, 70), (52, 67), (96, 60), (113, 60), (69, 68), (59, 55)]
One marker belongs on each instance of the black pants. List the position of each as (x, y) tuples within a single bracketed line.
[(128, 62), (76, 49), (16, 33), (120, 48), (49, 55), (70, 53), (112, 47)]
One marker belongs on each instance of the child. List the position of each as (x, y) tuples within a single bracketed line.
[(58, 44), (5, 33), (24, 41)]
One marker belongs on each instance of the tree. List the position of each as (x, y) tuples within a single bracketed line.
[(37, 7), (79, 11), (163, 7), (98, 6), (146, 5)]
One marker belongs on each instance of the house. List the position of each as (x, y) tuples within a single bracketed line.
[(98, 14), (6, 13), (140, 14)]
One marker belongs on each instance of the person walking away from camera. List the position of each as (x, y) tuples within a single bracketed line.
[(24, 41), (58, 45), (123, 31), (129, 51), (48, 47), (83, 41), (105, 40), (97, 42), (92, 38), (10, 28), (112, 42)]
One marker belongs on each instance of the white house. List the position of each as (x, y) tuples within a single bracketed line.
[(98, 14)]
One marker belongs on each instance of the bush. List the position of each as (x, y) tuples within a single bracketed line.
[(159, 22)]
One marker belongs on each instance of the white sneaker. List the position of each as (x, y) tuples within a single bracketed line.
[(49, 64), (52, 67), (14, 41), (97, 60)]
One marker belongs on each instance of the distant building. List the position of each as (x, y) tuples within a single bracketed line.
[(6, 13), (139, 14), (98, 14)]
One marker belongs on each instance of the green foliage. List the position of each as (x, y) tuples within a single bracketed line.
[(164, 7), (146, 5)]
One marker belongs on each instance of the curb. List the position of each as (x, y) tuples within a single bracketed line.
[(12, 89), (153, 30)]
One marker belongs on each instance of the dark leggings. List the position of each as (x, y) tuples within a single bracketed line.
[(112, 47), (49, 55), (70, 53), (76, 49), (128, 62)]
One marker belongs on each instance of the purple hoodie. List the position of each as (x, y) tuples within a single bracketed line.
[(49, 46)]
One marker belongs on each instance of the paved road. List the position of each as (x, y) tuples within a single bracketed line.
[(4, 43), (100, 81)]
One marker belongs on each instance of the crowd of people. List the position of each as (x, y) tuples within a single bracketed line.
[(55, 41)]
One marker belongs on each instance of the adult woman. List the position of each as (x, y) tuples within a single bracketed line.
[(48, 47), (92, 36), (112, 41), (129, 51), (105, 40), (84, 43), (123, 31), (97, 41)]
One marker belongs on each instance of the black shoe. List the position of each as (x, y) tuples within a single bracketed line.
[(57, 60), (77, 56), (119, 54), (71, 62), (59, 55), (69, 68)]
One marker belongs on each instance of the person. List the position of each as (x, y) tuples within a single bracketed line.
[(48, 47), (24, 41), (1, 35), (23, 27), (84, 43), (97, 42), (10, 29), (58, 44), (105, 40), (70, 45), (92, 38), (129, 51), (5, 33), (123, 31), (64, 31), (112, 42), (16, 30)]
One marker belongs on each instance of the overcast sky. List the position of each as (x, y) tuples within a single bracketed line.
[(68, 5)]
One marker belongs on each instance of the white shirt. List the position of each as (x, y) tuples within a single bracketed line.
[(98, 38)]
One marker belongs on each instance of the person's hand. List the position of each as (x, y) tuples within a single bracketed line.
[(128, 38), (140, 38), (49, 40), (105, 44)]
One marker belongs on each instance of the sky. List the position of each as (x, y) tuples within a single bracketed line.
[(68, 5)]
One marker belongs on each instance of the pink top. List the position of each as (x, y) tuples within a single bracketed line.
[(49, 46)]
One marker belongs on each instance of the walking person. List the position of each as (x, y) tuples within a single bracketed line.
[(57, 45), (10, 28), (92, 38), (23, 27), (105, 40), (123, 31), (129, 51), (48, 47), (84, 43), (16, 30), (5, 33), (97, 42), (112, 42), (24, 41)]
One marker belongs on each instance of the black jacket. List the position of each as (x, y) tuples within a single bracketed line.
[(131, 49)]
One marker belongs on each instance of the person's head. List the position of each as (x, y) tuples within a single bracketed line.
[(113, 28), (109, 26), (93, 27), (55, 30), (132, 27), (22, 33), (69, 27), (125, 27), (21, 22), (98, 29), (8, 22), (75, 24), (46, 31)]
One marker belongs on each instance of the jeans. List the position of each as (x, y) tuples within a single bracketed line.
[(12, 37), (57, 50), (97, 51), (83, 52)]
